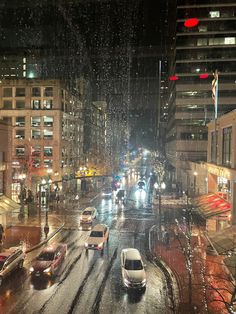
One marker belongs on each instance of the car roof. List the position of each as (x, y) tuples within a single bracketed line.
[(89, 209), (132, 254), (52, 247), (99, 227)]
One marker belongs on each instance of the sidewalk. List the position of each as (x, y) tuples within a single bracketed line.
[(209, 276), (34, 231)]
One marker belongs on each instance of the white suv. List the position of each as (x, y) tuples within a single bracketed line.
[(99, 235), (10, 260), (88, 215), (132, 268)]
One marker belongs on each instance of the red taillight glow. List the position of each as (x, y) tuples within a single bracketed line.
[(173, 78), (203, 76), (191, 22)]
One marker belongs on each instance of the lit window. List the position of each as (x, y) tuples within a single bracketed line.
[(35, 134), (47, 134), (35, 121), (48, 151), (35, 104), (230, 40), (20, 134), (214, 14), (20, 151), (20, 121), (48, 121), (36, 151)]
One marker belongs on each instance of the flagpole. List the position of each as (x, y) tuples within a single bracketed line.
[(215, 94)]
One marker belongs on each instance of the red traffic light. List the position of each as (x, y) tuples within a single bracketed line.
[(191, 22)]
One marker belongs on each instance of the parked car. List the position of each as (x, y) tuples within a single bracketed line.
[(132, 269), (88, 215), (10, 259), (107, 193), (49, 260), (98, 237), (121, 196)]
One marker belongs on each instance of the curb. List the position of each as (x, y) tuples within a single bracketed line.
[(46, 240), (170, 276)]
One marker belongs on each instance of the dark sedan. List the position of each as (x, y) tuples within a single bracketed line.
[(49, 260)]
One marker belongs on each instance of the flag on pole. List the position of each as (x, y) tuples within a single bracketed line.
[(215, 91)]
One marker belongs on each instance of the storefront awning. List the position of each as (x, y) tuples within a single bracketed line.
[(212, 205)]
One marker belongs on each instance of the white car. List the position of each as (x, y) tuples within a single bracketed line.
[(99, 235), (132, 268), (88, 215)]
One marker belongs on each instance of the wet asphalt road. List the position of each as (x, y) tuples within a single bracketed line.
[(91, 282)]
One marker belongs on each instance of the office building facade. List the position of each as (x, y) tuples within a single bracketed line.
[(205, 43)]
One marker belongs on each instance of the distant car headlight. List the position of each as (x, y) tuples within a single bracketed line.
[(86, 244), (31, 269), (47, 270), (100, 245), (144, 281), (89, 218)]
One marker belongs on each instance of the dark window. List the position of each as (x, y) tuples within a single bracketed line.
[(7, 92), (7, 104), (20, 92), (36, 92), (20, 104), (48, 91)]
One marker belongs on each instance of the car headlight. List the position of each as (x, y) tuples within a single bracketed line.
[(47, 270), (31, 269), (100, 244), (86, 244), (144, 280), (126, 281), (89, 218)]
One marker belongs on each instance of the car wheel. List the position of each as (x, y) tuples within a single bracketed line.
[(20, 265)]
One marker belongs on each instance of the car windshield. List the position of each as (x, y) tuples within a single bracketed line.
[(46, 256), (133, 264), (96, 234), (107, 191), (87, 213), (121, 193)]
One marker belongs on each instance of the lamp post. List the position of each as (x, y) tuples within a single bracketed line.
[(162, 187), (22, 196), (194, 182), (48, 189)]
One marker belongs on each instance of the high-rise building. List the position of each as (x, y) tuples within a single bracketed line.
[(205, 43), (47, 134)]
